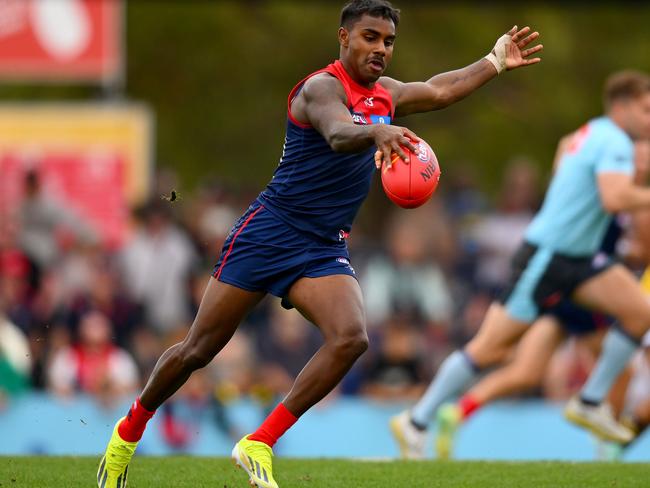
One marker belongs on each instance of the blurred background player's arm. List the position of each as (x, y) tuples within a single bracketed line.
[(562, 148), (621, 191), (510, 52), (641, 239), (638, 249)]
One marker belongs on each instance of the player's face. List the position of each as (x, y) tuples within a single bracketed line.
[(367, 47), (638, 113)]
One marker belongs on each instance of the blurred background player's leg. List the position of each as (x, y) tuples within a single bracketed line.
[(489, 347), (524, 372), (616, 293)]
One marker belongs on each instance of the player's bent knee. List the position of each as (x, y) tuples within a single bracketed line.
[(485, 355), (351, 344), (195, 357), (636, 323)]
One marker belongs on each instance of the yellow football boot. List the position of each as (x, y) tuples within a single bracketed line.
[(114, 465), (256, 458), (449, 419)]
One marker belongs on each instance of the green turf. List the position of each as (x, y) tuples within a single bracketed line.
[(219, 473)]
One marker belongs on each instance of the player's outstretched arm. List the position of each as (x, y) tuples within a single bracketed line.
[(510, 51), (322, 103)]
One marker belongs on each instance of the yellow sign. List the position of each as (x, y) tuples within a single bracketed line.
[(126, 129)]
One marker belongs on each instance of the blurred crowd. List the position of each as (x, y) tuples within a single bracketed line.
[(78, 317)]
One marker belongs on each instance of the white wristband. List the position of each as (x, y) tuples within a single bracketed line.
[(498, 55)]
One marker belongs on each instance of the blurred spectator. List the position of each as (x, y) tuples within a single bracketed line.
[(156, 267), (394, 368), (285, 346), (15, 362), (146, 347), (44, 222), (16, 285), (103, 293), (406, 280), (47, 315), (498, 233), (78, 266), (233, 371), (465, 203), (94, 365), (209, 218), (463, 197)]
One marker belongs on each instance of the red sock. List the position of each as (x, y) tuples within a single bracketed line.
[(275, 425), (468, 405), (132, 427)]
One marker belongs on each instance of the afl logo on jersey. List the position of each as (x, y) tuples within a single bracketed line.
[(359, 118)]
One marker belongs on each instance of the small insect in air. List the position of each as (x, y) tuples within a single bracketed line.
[(172, 197)]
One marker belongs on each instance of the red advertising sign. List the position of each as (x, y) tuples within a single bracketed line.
[(93, 160), (91, 186), (61, 40)]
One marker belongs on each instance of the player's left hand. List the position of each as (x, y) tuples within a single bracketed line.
[(517, 52), (511, 50)]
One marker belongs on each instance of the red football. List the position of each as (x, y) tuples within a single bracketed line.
[(411, 185)]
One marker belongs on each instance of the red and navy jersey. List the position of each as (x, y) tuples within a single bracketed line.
[(315, 189)]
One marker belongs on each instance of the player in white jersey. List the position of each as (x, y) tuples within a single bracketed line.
[(559, 259)]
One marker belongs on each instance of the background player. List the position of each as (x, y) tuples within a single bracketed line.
[(291, 241), (556, 260), (630, 397), (538, 345), (528, 365)]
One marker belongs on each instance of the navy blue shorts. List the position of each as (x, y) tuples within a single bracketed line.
[(541, 278), (263, 253), (576, 320)]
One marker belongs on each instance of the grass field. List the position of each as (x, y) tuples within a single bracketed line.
[(181, 472)]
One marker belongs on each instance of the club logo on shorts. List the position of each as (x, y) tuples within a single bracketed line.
[(343, 235), (346, 262)]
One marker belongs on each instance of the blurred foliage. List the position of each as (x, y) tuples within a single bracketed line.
[(217, 74)]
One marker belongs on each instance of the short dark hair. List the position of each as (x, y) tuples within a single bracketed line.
[(354, 10), (625, 85)]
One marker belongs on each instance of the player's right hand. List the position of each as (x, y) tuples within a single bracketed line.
[(392, 138)]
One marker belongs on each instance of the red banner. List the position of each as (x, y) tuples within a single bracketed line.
[(61, 40), (90, 186), (92, 160)]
